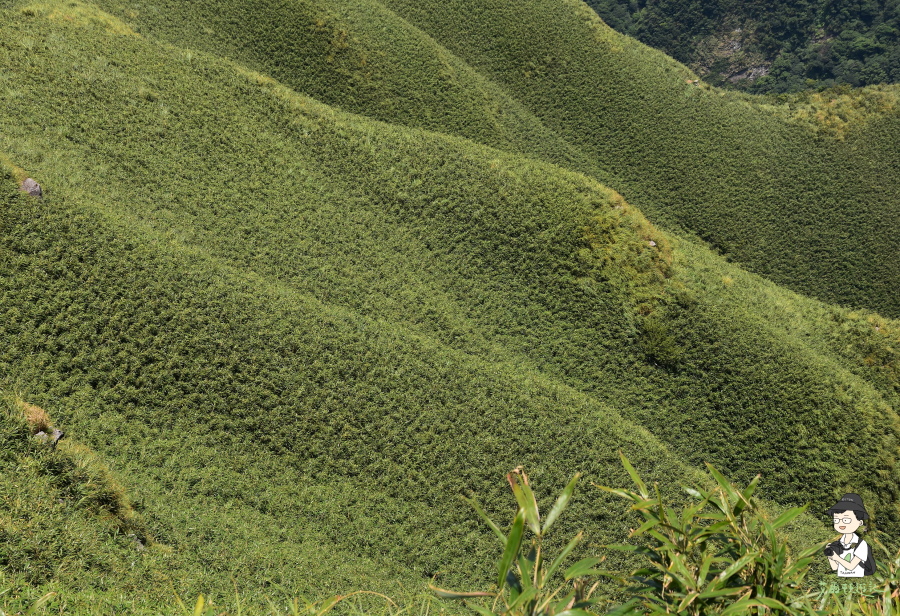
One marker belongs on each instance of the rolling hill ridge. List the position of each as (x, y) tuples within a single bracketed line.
[(295, 321)]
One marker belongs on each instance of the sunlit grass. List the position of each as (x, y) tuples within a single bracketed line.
[(282, 338)]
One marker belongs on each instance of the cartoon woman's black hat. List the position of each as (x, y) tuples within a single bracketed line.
[(850, 502)]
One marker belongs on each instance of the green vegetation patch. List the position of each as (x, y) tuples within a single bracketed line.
[(296, 335), (78, 14), (551, 81)]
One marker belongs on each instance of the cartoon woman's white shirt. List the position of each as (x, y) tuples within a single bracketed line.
[(861, 550)]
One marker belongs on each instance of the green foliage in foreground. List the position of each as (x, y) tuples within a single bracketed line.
[(527, 591), (722, 555), (730, 560)]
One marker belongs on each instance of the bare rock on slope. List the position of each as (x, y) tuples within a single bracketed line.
[(31, 187), (52, 438)]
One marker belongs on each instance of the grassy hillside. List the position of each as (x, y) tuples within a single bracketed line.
[(280, 399), (241, 411), (294, 335), (763, 192), (551, 80)]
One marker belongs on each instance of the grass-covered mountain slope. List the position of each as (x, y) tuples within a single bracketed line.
[(295, 334), (63, 511), (244, 412), (791, 191)]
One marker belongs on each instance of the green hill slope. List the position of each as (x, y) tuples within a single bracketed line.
[(814, 215), (241, 412), (259, 396), (551, 80), (296, 334)]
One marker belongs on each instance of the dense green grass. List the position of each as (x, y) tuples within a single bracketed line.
[(310, 431), (549, 79), (295, 335), (761, 190), (812, 212), (249, 372)]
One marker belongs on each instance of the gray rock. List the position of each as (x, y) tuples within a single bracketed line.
[(31, 187), (133, 537), (52, 438)]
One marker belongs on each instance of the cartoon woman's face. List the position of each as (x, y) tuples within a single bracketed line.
[(846, 523)]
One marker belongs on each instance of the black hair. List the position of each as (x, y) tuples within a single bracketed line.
[(849, 502), (860, 515)]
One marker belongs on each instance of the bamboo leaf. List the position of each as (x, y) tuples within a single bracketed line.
[(704, 568), (771, 603), (737, 565), (532, 515), (443, 593), (788, 516), (565, 602), (683, 573), (637, 498), (741, 606), (690, 512), (720, 592), (670, 516), (526, 567), (561, 502), (687, 601), (660, 537), (562, 555), (582, 567), (485, 517), (770, 532), (518, 493), (645, 504), (644, 528), (724, 484), (198, 607), (624, 547), (744, 497), (693, 492), (512, 548), (525, 597), (634, 475)]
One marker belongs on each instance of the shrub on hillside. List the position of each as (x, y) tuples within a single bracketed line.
[(723, 559), (37, 418), (658, 342), (731, 560)]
